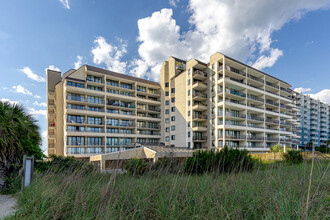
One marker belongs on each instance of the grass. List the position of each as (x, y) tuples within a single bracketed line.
[(274, 191)]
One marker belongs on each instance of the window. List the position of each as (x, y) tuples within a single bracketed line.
[(189, 134), (167, 102), (113, 130), (167, 129), (94, 79), (112, 141), (76, 141), (213, 66), (73, 106), (76, 97), (188, 82), (94, 120), (189, 92), (94, 99), (94, 129), (166, 93), (189, 103), (76, 150), (173, 137), (94, 141), (76, 128), (172, 128), (173, 118), (173, 109), (188, 113), (94, 109), (94, 150), (189, 71), (126, 85), (167, 138), (79, 85), (112, 83), (188, 144), (167, 120), (76, 119), (96, 88), (172, 100), (188, 124), (167, 111), (173, 90), (166, 84)]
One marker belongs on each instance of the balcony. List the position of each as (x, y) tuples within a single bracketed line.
[(197, 74), (200, 86), (199, 127), (199, 138), (232, 137), (272, 85), (255, 98), (199, 96), (255, 138), (272, 121), (199, 107), (270, 102), (234, 115), (255, 78), (235, 71), (271, 139), (199, 117)]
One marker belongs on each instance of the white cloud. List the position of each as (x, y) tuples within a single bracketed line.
[(323, 95), (32, 75), (10, 101), (33, 111), (44, 135), (78, 63), (65, 4), (4, 88), (174, 2), (302, 90), (37, 96), (41, 104), (52, 67), (21, 89), (109, 54), (241, 30), (268, 61)]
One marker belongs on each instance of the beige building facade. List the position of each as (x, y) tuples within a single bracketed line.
[(93, 111), (225, 102)]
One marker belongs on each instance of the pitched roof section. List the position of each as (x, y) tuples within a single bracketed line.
[(120, 75)]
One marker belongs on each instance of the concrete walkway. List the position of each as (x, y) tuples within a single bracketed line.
[(7, 205)]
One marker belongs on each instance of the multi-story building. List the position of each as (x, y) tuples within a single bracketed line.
[(93, 111), (314, 120), (225, 102)]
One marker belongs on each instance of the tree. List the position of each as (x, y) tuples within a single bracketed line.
[(19, 135), (276, 148)]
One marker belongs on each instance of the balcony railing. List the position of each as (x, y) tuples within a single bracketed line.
[(199, 116), (255, 118), (255, 78), (199, 138), (231, 136), (255, 98), (200, 73), (272, 102), (272, 85), (255, 138)]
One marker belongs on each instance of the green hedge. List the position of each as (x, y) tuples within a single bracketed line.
[(225, 160), (293, 156)]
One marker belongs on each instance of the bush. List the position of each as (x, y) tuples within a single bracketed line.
[(166, 165), (322, 149), (137, 167), (276, 149), (225, 160), (293, 156), (59, 164)]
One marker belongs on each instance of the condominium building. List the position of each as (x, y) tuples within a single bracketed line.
[(314, 120), (93, 111), (208, 105)]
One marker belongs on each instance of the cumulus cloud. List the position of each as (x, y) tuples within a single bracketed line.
[(52, 67), (44, 135), (65, 4), (22, 90), (174, 2), (78, 63), (109, 54), (302, 90), (28, 72), (41, 104), (10, 101), (36, 112), (242, 30), (323, 95)]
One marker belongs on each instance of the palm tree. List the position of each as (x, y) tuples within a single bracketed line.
[(18, 131)]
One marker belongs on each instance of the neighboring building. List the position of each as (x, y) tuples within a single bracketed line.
[(93, 111), (225, 102), (314, 120)]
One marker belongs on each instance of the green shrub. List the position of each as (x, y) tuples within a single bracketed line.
[(59, 164), (293, 156), (167, 165), (13, 184), (225, 160), (137, 167), (322, 149), (276, 149)]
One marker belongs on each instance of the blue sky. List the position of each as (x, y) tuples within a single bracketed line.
[(287, 39)]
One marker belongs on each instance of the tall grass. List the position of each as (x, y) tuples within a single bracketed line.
[(277, 192)]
